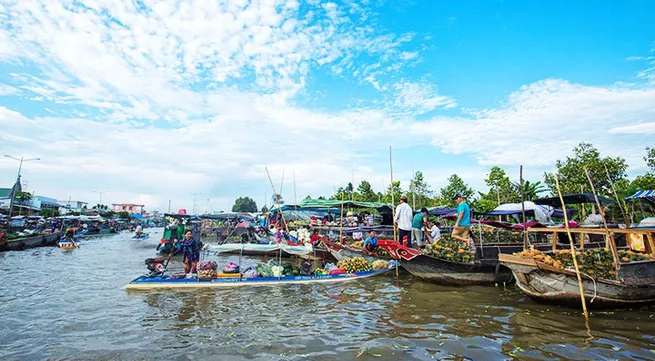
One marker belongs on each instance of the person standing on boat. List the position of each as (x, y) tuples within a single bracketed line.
[(191, 252), (463, 220), (403, 221), (434, 232), (418, 223)]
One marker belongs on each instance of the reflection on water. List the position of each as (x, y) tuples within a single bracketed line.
[(69, 304)]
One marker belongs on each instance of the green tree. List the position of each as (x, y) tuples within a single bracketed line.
[(100, 207), (244, 204), (397, 192), (456, 185), (48, 212), (123, 215), (531, 190), (264, 209), (501, 190), (571, 172), (23, 198), (365, 193), (277, 199), (642, 182), (420, 193)]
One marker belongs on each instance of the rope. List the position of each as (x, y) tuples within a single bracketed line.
[(591, 278)]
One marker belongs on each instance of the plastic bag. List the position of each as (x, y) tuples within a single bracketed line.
[(277, 271), (636, 242)]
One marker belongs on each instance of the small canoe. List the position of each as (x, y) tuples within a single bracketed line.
[(142, 236), (163, 282), (68, 244)]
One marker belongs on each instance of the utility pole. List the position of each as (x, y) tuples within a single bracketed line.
[(169, 206), (194, 201), (20, 166), (100, 200)]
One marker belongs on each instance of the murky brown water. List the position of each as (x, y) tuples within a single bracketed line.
[(69, 304)]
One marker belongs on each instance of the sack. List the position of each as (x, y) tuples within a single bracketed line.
[(337, 272)]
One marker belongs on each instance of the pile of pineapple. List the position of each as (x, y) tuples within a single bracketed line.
[(596, 262), (357, 264), (497, 235), (450, 249)]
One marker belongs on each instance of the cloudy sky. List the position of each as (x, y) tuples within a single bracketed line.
[(153, 100)]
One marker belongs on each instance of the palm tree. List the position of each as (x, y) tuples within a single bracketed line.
[(22, 198), (531, 191)]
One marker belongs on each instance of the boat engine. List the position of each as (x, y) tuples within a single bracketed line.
[(155, 266)]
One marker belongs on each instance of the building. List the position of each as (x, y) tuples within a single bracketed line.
[(128, 207), (72, 206), (45, 203)]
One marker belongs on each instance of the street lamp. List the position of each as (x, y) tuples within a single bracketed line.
[(20, 166)]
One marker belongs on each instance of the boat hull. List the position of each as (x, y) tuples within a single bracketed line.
[(46, 240), (344, 253), (149, 283), (546, 285)]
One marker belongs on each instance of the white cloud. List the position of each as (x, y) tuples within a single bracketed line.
[(642, 128), (414, 98), (543, 121), (7, 90)]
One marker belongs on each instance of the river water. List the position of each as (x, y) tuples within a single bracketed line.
[(61, 304)]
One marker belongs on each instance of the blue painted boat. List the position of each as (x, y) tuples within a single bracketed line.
[(162, 282), (141, 236)]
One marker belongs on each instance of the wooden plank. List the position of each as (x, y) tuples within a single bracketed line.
[(516, 259), (555, 239), (651, 243)]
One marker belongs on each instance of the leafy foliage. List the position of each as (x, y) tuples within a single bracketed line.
[(365, 193), (420, 193), (264, 209), (244, 204), (123, 215), (456, 185), (572, 176), (397, 192)]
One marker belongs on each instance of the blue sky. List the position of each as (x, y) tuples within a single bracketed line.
[(157, 100)]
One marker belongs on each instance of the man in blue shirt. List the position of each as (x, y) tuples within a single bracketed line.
[(418, 223), (463, 220), (371, 243)]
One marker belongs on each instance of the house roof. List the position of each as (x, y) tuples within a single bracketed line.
[(4, 192)]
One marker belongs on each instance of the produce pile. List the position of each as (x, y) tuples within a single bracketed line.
[(380, 264), (497, 235), (450, 249), (347, 222), (357, 264), (272, 269), (298, 223), (596, 262), (207, 269)]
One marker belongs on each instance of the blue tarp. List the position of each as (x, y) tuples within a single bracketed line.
[(136, 215), (645, 194), (442, 211)]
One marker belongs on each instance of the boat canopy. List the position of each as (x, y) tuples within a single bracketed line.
[(329, 203), (231, 247), (441, 211), (575, 198), (645, 194)]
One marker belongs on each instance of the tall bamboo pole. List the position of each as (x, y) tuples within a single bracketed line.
[(341, 222), (393, 201), (609, 237), (295, 200), (575, 260), (393, 210), (525, 228), (618, 200)]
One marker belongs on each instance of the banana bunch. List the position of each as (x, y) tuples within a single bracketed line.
[(358, 244), (357, 264)]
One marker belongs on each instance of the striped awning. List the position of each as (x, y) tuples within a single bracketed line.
[(647, 194)]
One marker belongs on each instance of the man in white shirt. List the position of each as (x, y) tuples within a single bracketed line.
[(403, 220), (434, 234)]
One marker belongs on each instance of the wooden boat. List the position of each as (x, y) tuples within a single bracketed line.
[(168, 282), (340, 252), (635, 283), (141, 236), (20, 244), (65, 243)]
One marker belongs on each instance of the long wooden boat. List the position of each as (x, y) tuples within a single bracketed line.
[(340, 252), (484, 270), (45, 240), (635, 283), (167, 282)]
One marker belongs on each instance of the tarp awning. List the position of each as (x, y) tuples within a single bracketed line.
[(330, 203), (264, 248), (442, 211), (645, 194), (576, 198)]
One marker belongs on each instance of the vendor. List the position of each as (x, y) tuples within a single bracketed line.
[(434, 234), (315, 238), (371, 243), (191, 252)]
